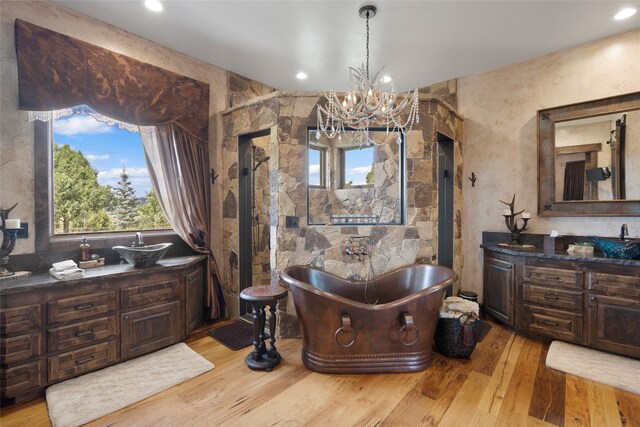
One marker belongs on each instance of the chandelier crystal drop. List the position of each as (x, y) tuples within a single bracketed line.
[(370, 103)]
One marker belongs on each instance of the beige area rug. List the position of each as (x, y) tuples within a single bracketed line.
[(79, 400), (594, 365)]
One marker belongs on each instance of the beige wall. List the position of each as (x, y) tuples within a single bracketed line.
[(499, 110)]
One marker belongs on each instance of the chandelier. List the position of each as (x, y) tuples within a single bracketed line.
[(370, 103)]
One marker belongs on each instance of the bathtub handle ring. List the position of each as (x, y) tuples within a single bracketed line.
[(345, 329), (406, 328)]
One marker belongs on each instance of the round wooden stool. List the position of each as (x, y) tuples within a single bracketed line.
[(260, 296)]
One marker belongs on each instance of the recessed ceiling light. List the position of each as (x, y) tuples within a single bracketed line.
[(625, 13), (154, 5), (301, 75), (386, 79)]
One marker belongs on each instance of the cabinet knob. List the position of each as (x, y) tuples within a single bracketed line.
[(126, 317), (593, 298)]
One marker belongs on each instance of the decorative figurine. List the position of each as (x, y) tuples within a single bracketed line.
[(512, 222), (10, 229)]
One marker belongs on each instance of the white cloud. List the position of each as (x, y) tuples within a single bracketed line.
[(115, 173), (358, 170), (76, 125), (94, 157), (314, 169)]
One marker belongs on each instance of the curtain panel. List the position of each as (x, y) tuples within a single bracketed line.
[(179, 171), (57, 71), (574, 180)]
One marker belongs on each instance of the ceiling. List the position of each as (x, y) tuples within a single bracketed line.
[(418, 42)]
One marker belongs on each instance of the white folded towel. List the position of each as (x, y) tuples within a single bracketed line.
[(64, 265), (68, 274)]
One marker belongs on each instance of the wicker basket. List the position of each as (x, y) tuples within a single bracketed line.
[(449, 337)]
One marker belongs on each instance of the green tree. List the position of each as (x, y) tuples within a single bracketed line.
[(150, 215), (77, 193), (369, 178), (125, 202)]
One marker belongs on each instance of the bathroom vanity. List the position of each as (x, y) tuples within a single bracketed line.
[(53, 330), (588, 300)]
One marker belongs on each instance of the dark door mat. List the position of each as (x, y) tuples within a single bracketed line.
[(235, 335)]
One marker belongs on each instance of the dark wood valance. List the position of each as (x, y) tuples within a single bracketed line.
[(57, 71)]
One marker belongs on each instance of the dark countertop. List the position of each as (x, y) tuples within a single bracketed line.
[(597, 257), (44, 280)]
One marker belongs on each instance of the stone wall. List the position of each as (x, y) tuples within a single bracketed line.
[(288, 116)]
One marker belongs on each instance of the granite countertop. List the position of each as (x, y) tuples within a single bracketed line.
[(597, 257), (44, 280)]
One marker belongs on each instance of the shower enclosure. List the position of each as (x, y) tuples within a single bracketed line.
[(254, 224)]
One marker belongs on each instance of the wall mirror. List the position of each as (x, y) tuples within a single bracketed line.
[(349, 183), (589, 158)]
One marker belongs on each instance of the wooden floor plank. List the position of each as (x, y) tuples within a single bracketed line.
[(515, 406), (463, 408), (548, 400), (603, 410), (473, 392), (493, 395), (628, 407), (486, 355), (413, 407), (576, 411)]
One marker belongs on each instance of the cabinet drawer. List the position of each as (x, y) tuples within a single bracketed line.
[(80, 361), (554, 323), (149, 293), (22, 379), (553, 297), (148, 329), (555, 277), (20, 348), (81, 307), (614, 284), (20, 319), (85, 332)]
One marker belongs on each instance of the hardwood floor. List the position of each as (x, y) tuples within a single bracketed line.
[(505, 383)]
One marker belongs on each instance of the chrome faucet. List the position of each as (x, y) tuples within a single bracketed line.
[(137, 240), (624, 231)]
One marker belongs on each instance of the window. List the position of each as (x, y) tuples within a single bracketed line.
[(99, 179), (317, 166), (357, 167)]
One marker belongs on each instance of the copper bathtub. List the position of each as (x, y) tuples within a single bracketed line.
[(341, 333)]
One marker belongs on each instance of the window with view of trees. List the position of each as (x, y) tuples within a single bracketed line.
[(100, 179), (357, 167)]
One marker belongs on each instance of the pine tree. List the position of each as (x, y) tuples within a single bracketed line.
[(77, 194), (150, 215), (125, 202)]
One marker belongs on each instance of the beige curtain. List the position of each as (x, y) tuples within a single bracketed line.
[(178, 166)]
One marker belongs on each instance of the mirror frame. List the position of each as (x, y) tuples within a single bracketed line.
[(547, 118)]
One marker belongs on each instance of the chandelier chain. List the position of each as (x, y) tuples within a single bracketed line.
[(367, 45)]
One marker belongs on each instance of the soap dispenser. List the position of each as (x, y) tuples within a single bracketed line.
[(85, 250)]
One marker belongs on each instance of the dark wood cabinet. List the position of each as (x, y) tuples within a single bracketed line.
[(596, 304), (499, 287), (51, 331), (194, 299), (148, 329)]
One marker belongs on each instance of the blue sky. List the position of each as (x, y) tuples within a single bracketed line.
[(357, 163), (107, 148)]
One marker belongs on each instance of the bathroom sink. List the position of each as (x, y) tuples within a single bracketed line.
[(143, 256), (617, 248)]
